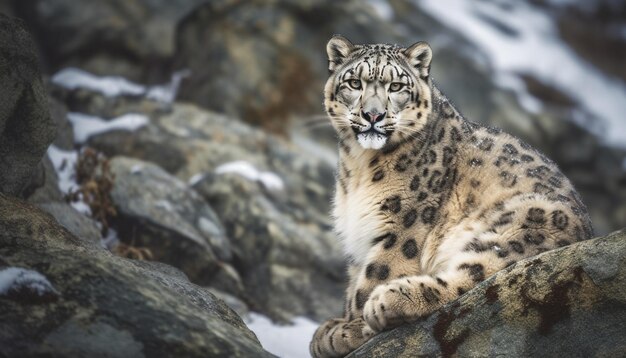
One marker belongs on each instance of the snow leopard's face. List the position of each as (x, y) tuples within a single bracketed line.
[(377, 94)]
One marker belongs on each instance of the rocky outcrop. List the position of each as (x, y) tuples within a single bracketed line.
[(88, 302), (569, 302), (287, 260), (160, 212), (271, 198), (26, 128)]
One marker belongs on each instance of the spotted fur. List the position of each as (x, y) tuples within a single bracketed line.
[(433, 204)]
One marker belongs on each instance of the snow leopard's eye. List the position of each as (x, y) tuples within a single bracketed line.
[(395, 86), (355, 84)]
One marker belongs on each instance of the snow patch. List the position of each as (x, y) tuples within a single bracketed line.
[(64, 163), (270, 180), (136, 169), (110, 86), (284, 341), (15, 278), (86, 126), (110, 240), (208, 227), (527, 42), (196, 178), (114, 86), (167, 93)]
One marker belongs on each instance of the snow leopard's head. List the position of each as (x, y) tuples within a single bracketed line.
[(377, 94)]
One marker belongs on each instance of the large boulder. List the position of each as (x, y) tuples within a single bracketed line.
[(26, 128), (286, 254), (569, 302), (69, 300), (160, 212)]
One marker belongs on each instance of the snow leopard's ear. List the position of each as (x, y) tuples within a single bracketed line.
[(419, 56), (338, 49)]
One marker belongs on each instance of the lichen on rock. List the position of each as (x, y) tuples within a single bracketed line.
[(565, 302)]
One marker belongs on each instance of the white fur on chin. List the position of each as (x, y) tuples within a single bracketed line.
[(371, 140)]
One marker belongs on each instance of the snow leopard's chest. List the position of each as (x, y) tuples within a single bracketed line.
[(358, 218)]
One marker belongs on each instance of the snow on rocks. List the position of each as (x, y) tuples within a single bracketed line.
[(64, 162), (86, 126), (114, 86), (270, 180), (283, 340), (26, 285)]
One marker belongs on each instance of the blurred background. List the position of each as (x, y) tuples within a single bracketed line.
[(192, 132)]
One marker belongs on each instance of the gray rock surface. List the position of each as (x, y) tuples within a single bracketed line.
[(75, 222), (49, 191), (26, 128), (64, 138), (569, 302), (106, 305), (289, 264), (160, 212), (283, 247), (134, 39)]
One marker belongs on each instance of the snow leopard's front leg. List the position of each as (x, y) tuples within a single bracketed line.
[(338, 337), (409, 298)]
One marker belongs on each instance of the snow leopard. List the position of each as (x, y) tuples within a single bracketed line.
[(427, 204)]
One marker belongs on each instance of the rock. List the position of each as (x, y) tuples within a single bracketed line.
[(26, 286), (113, 37), (65, 135), (75, 222), (84, 100), (267, 58), (288, 260), (189, 142), (6, 8), (272, 197), (283, 245), (160, 212), (49, 191), (106, 305), (231, 301), (26, 128), (568, 302)]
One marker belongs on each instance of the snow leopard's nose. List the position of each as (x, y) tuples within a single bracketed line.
[(373, 117)]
